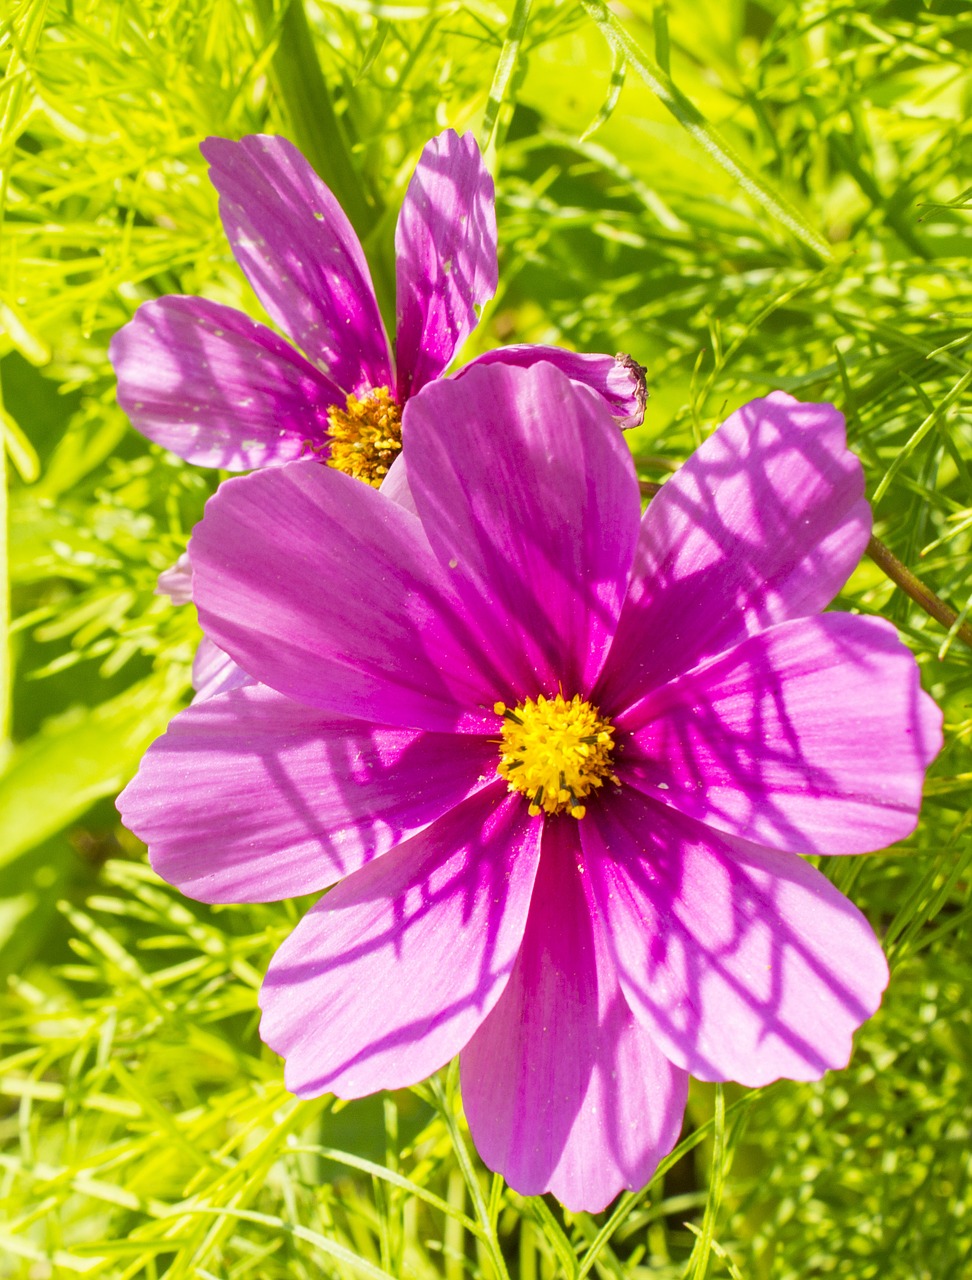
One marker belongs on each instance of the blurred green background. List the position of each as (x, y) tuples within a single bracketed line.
[(743, 195)]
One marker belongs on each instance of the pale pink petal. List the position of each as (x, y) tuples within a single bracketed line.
[(445, 246), (528, 495), (392, 972), (618, 380), (743, 963), (813, 736), (395, 485), (301, 256), (214, 671), (321, 588), (249, 797), (176, 581), (563, 1090), (764, 522), (217, 388)]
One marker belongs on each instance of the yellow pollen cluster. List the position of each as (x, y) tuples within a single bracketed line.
[(366, 436), (555, 752)]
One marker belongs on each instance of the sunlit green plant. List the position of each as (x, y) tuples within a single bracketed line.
[(744, 196)]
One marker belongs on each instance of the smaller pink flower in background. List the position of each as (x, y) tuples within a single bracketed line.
[(563, 760), (222, 390)]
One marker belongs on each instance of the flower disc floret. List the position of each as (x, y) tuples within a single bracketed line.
[(555, 752), (366, 436)]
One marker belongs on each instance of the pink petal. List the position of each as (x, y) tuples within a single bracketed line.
[(528, 495), (445, 245), (563, 1090), (217, 388), (302, 257), (392, 972), (249, 797), (321, 588), (813, 736), (742, 963), (764, 522), (618, 380)]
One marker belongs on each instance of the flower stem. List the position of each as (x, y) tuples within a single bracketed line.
[(915, 589), (447, 1111), (299, 81), (900, 575)]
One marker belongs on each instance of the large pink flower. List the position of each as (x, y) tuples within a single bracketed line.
[(562, 759), (221, 390)]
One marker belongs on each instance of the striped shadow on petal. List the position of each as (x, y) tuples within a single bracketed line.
[(390, 974)]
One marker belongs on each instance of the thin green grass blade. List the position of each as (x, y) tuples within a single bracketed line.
[(695, 124)]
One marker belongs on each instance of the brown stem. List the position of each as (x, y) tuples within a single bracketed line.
[(915, 589), (900, 575)]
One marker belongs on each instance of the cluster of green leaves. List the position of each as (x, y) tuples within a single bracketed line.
[(743, 195)]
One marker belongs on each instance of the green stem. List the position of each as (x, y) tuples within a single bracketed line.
[(900, 575), (505, 67), (315, 128)]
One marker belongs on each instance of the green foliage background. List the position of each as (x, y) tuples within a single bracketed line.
[(745, 194)]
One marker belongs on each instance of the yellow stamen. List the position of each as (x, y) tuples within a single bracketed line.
[(366, 436), (555, 752)]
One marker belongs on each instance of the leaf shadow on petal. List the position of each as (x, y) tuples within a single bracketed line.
[(277, 799), (563, 1091), (764, 522), (746, 961), (391, 973), (445, 245), (813, 737)]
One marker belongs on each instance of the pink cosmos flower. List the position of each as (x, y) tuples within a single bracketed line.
[(221, 390), (562, 759)]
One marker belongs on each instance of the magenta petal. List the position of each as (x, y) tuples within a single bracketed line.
[(321, 588), (391, 973), (445, 244), (301, 256), (249, 797), (530, 499), (217, 388), (618, 380), (564, 1091), (813, 736), (764, 522), (743, 963)]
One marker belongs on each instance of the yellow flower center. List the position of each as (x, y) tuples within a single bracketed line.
[(366, 436), (555, 752)]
